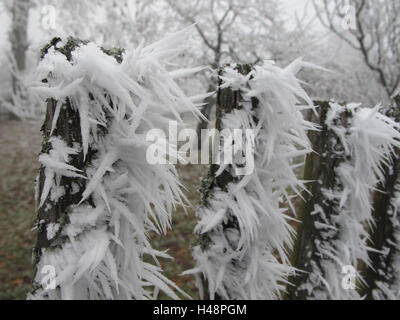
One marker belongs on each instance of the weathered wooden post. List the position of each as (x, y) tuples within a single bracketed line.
[(61, 128), (352, 148), (382, 276), (320, 170), (61, 120), (98, 193), (227, 101), (244, 232)]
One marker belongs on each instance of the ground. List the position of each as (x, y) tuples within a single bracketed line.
[(20, 145)]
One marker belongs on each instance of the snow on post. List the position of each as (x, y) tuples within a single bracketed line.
[(97, 196), (352, 149), (383, 276), (244, 234)]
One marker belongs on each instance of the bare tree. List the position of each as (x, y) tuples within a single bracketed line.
[(353, 80), (233, 31), (373, 28), (111, 23), (18, 37)]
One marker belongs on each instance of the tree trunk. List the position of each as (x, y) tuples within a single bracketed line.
[(18, 36)]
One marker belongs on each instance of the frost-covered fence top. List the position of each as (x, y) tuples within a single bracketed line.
[(244, 232), (97, 195)]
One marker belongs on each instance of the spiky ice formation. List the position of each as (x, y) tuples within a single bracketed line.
[(97, 246), (362, 148), (244, 230), (383, 276)]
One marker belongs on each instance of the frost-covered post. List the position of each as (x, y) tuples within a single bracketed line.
[(61, 131), (383, 275), (98, 196), (227, 100), (353, 147), (320, 167), (244, 231)]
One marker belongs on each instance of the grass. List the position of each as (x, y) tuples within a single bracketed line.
[(179, 239), (20, 145)]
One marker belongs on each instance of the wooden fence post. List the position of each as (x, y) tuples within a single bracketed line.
[(352, 149), (320, 169), (382, 274), (244, 230), (53, 210), (227, 101), (102, 186)]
